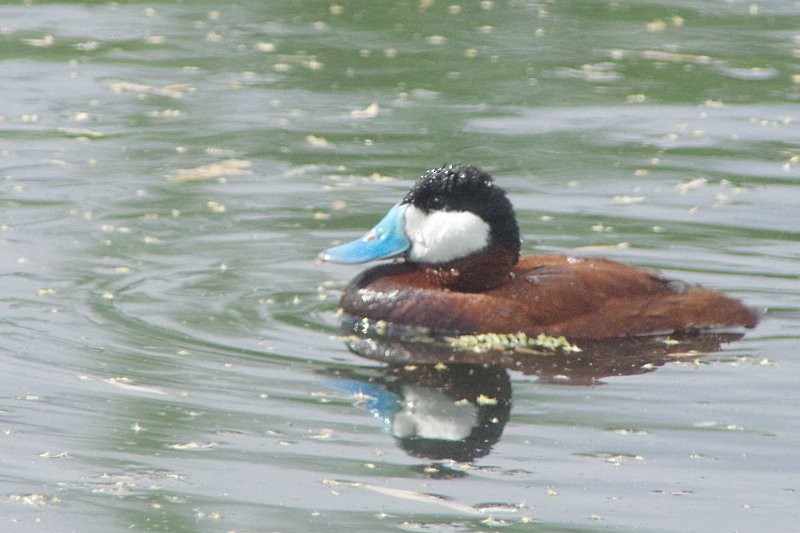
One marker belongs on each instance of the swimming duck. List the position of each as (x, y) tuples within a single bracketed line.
[(461, 272)]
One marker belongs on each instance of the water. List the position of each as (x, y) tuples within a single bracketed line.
[(168, 356)]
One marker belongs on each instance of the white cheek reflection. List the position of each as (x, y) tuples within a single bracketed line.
[(442, 236), (430, 414)]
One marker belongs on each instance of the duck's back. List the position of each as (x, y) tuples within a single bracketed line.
[(552, 294)]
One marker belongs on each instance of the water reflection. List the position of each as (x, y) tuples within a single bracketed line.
[(444, 403), (436, 411)]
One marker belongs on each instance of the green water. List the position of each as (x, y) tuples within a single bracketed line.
[(168, 357)]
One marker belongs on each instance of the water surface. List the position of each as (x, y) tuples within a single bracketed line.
[(171, 170)]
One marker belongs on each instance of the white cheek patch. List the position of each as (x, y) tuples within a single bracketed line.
[(442, 236)]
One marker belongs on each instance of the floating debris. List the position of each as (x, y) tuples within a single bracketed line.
[(694, 183), (754, 73), (662, 55), (228, 167), (175, 91), (51, 455), (371, 111), (193, 445), (323, 434), (317, 142), (265, 47), (599, 72), (482, 399), (486, 342), (36, 500), (44, 42), (415, 496), (215, 206), (127, 384), (79, 132), (626, 199)]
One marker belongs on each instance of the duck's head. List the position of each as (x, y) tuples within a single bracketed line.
[(454, 217)]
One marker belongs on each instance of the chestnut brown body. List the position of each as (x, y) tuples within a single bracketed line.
[(553, 294)]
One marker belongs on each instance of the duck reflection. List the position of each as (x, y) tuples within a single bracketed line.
[(441, 402), (584, 362), (436, 411)]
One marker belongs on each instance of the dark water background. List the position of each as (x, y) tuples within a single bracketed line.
[(167, 336)]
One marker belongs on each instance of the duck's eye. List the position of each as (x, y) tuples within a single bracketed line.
[(435, 202)]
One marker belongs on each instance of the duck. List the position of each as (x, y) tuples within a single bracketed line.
[(454, 268)]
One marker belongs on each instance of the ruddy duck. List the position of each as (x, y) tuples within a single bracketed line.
[(462, 274)]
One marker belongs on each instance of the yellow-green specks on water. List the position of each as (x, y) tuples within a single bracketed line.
[(486, 342)]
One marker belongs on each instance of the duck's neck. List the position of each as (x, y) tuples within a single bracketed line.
[(477, 272)]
